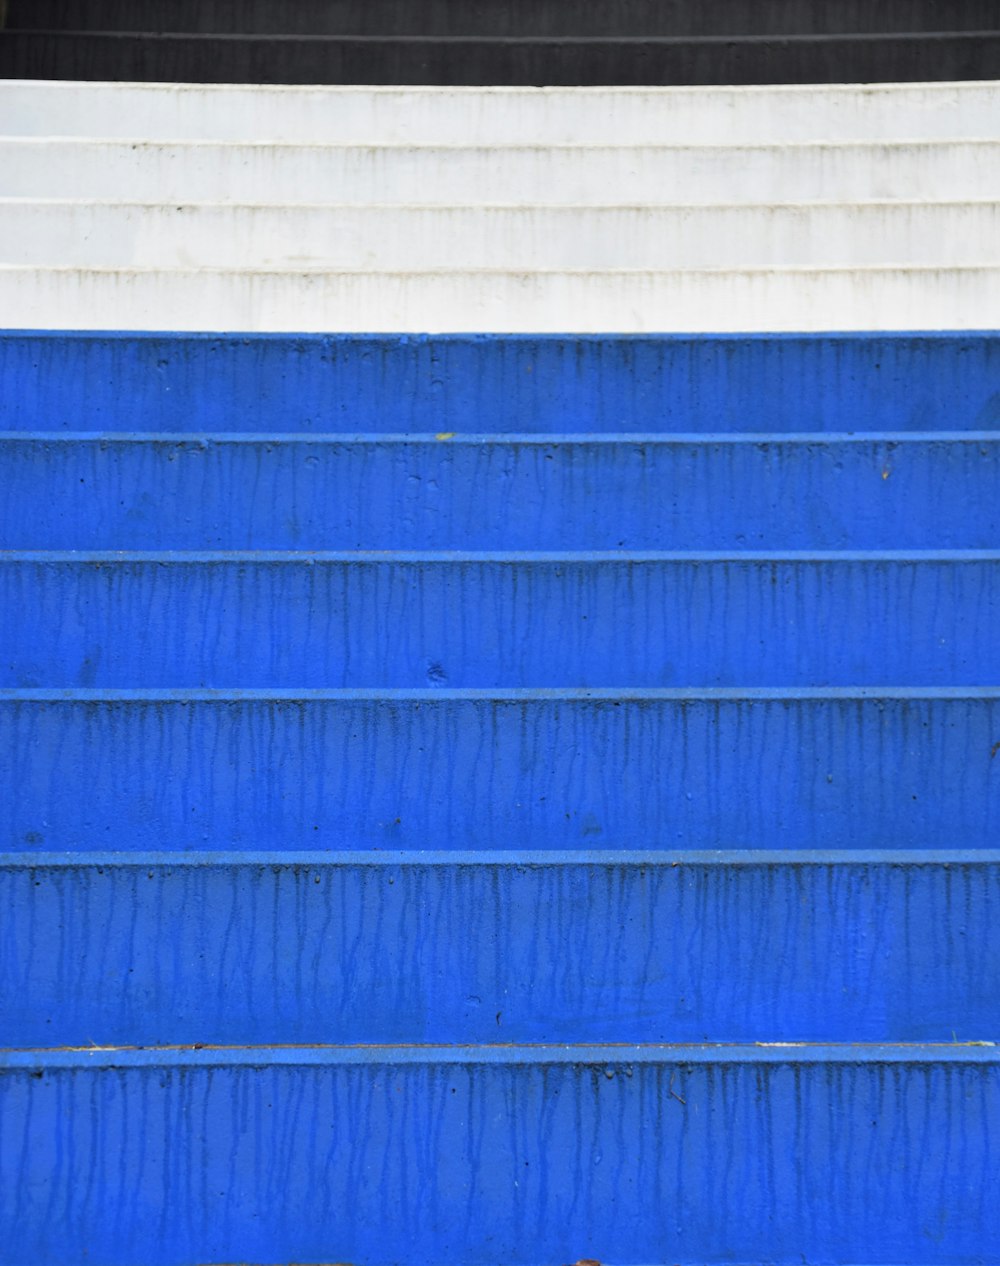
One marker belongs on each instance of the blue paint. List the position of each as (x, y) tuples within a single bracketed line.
[(482, 383), (463, 770), (568, 492), (468, 948), (521, 1155), (227, 771), (400, 621)]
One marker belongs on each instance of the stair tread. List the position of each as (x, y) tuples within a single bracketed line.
[(360, 769), (500, 115), (511, 1155), (356, 383), (772, 300), (779, 1053), (92, 234)]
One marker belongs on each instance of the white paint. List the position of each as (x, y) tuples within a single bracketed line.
[(520, 175), (117, 235), (580, 302), (486, 116), (584, 210)]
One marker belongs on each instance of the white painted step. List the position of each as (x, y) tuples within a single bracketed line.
[(569, 302), (526, 175), (485, 116), (115, 235)]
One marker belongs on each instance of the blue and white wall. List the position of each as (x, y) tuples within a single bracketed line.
[(500, 705)]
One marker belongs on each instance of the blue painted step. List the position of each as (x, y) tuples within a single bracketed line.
[(490, 383), (559, 492), (447, 769), (522, 1155), (496, 621), (256, 948)]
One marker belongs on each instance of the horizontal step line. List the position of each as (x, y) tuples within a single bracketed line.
[(498, 147), (756, 694), (946, 88), (484, 341), (516, 859), (513, 557), (507, 439), (603, 1054), (518, 274), (320, 273), (904, 206)]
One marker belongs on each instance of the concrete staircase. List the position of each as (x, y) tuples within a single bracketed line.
[(774, 209), (498, 797)]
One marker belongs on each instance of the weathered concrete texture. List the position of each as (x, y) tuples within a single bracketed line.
[(392, 621), (578, 235), (583, 302), (513, 947), (418, 59), (445, 385), (554, 492), (289, 174), (524, 1155), (143, 770), (500, 116), (79, 234)]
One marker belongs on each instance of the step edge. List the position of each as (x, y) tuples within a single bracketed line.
[(393, 557), (514, 859), (501, 439), (605, 1056), (518, 696)]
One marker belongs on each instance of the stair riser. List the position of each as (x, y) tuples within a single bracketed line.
[(471, 302), (99, 235), (522, 772), (656, 1159), (371, 494), (643, 62), (513, 18), (163, 622), (240, 952), (354, 383), (496, 115), (584, 175)]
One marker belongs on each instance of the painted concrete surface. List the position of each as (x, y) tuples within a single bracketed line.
[(81, 234), (514, 1154), (529, 175), (461, 385), (500, 116), (475, 620), (551, 492), (832, 231), (569, 947), (141, 769), (491, 787), (585, 302)]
